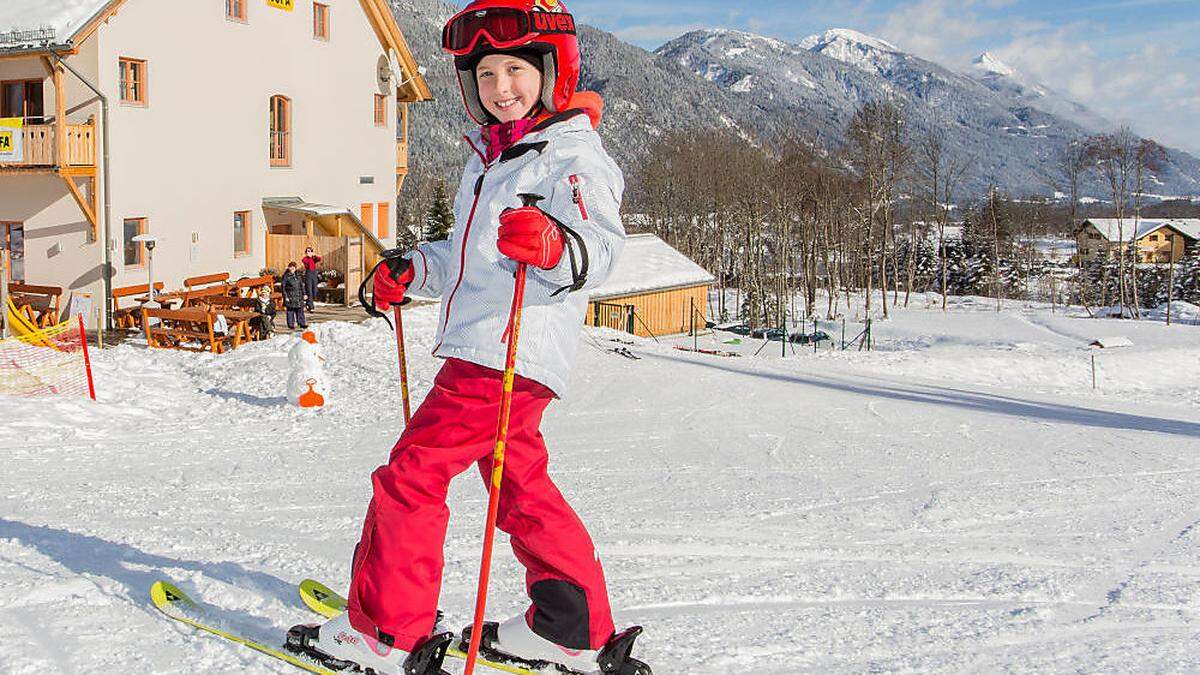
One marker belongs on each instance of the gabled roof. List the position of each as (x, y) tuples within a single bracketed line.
[(30, 25), (34, 25), (413, 88), (1111, 228), (650, 264)]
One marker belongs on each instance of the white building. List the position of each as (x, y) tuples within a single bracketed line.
[(212, 124)]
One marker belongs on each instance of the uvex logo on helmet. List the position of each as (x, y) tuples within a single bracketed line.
[(553, 23)]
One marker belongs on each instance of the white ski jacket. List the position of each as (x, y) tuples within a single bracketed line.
[(563, 162)]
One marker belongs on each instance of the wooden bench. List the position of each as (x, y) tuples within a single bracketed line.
[(189, 329), (248, 288), (129, 317), (206, 280), (41, 304), (199, 296)]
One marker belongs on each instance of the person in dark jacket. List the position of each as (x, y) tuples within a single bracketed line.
[(311, 276), (293, 297), (266, 313)]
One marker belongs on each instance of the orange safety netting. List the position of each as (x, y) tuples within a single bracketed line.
[(45, 362)]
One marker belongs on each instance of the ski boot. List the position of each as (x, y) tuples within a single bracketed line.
[(515, 643), (336, 645)]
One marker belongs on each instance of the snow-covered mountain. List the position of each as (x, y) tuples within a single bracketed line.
[(764, 90), (853, 48), (1008, 126), (1006, 80)]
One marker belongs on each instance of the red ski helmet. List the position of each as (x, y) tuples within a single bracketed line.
[(501, 26)]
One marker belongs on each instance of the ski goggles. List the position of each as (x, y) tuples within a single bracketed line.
[(503, 27)]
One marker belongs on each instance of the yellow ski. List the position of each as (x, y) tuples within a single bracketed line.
[(326, 602), (177, 605)]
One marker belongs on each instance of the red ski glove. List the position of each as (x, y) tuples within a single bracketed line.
[(529, 236), (392, 277)]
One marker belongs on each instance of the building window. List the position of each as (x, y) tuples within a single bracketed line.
[(320, 21), (380, 110), (133, 81), (12, 239), (241, 233), (235, 9), (22, 98), (383, 211), (281, 131), (135, 251), (366, 213)]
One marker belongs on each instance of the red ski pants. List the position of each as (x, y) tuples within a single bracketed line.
[(397, 572)]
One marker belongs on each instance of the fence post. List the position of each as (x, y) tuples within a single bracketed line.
[(695, 337), (4, 267)]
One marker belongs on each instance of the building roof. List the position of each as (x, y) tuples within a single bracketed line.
[(36, 24), (31, 25), (1110, 227), (298, 205), (650, 264)]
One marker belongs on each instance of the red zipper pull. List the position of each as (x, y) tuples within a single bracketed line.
[(577, 195)]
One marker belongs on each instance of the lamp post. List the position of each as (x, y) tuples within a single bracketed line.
[(149, 240)]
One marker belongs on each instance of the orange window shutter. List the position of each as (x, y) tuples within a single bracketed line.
[(367, 214), (384, 212)]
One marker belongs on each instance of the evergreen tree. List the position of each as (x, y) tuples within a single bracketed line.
[(439, 218)]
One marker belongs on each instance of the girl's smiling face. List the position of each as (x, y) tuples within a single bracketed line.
[(509, 86)]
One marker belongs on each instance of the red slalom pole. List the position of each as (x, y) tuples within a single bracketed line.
[(489, 535), (87, 359), (403, 363)]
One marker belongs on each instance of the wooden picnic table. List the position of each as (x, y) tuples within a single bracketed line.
[(41, 308), (239, 324), (163, 298)]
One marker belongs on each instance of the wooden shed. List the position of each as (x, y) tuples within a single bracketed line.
[(653, 290)]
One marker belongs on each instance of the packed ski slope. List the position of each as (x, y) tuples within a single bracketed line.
[(959, 500)]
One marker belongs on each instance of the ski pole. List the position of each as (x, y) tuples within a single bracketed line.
[(403, 363), (489, 535), (369, 306)]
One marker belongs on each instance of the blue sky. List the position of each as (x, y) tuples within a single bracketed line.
[(1135, 61)]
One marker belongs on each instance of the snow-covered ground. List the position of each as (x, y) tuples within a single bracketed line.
[(960, 500)]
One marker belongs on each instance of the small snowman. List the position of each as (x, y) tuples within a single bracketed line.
[(306, 383)]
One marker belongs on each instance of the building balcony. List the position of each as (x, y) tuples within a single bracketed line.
[(401, 156), (40, 150)]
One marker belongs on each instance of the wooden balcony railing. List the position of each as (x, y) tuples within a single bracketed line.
[(39, 146)]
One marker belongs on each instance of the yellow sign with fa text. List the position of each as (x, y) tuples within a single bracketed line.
[(285, 5), (11, 137)]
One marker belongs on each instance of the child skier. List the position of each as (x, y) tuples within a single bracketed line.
[(539, 190)]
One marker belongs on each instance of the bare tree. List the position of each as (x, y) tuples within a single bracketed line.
[(1115, 158), (940, 175)]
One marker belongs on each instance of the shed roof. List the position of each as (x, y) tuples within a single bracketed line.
[(1109, 227), (650, 264), (33, 24), (298, 205)]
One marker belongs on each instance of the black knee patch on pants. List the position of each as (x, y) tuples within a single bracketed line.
[(561, 613)]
